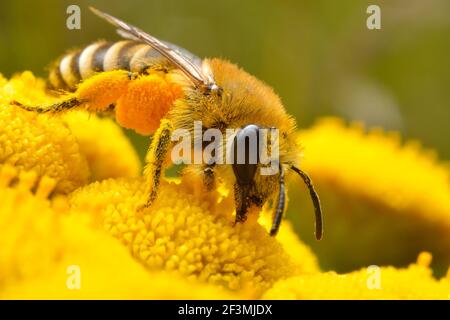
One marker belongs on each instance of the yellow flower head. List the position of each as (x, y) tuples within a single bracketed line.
[(36, 142), (71, 149), (45, 247), (384, 202), (108, 152), (414, 282), (192, 232)]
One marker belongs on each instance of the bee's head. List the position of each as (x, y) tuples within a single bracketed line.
[(246, 154), (260, 174), (254, 180)]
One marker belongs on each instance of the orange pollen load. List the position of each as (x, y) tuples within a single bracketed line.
[(145, 102)]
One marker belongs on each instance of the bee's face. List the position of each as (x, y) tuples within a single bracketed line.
[(255, 182)]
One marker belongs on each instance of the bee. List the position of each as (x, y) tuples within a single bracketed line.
[(155, 87)]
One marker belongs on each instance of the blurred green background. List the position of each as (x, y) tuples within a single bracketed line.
[(318, 55)]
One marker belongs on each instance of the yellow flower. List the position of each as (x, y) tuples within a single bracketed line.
[(113, 159), (24, 87), (37, 142), (71, 149), (192, 232), (384, 202), (43, 246), (414, 282)]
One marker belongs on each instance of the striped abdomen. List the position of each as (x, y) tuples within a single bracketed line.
[(128, 55)]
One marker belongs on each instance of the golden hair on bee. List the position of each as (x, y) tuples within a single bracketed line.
[(155, 87)]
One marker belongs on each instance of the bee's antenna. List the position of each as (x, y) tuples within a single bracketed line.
[(315, 199)]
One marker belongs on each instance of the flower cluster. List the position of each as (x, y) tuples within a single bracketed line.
[(385, 201)]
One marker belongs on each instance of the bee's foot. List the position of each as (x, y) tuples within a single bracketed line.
[(143, 207), (239, 220)]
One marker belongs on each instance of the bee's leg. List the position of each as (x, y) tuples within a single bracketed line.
[(156, 155), (97, 93), (208, 176), (281, 201), (241, 201), (52, 108)]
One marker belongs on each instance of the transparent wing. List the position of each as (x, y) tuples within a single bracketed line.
[(185, 61)]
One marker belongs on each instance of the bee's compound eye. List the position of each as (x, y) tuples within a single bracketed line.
[(246, 154)]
